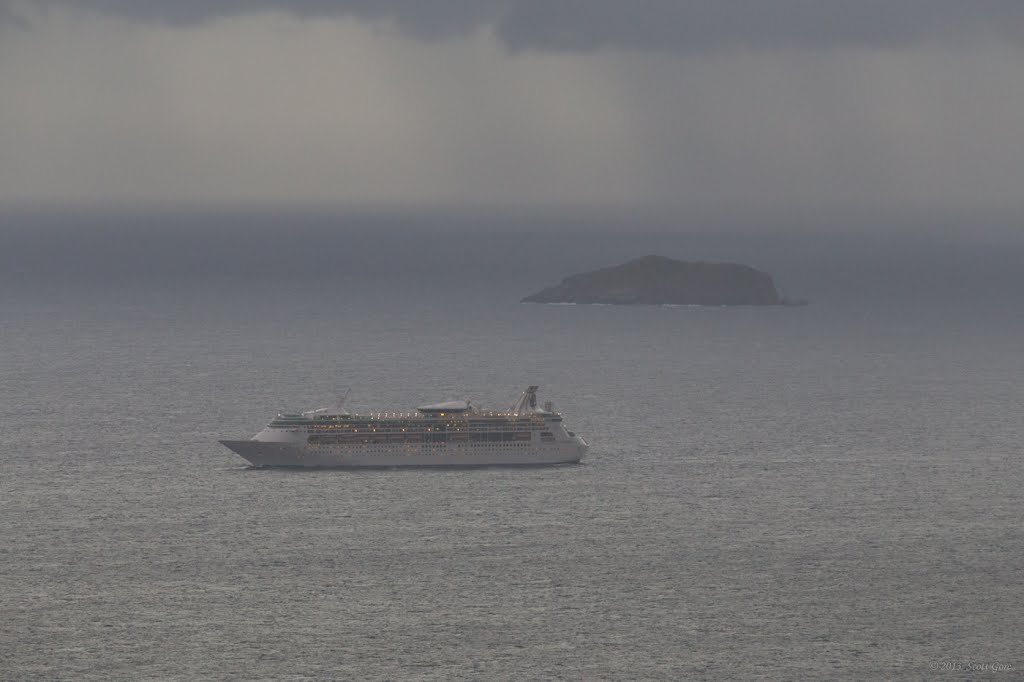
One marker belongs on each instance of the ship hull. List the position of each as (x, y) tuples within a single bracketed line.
[(280, 454)]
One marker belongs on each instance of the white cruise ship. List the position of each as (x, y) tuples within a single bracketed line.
[(444, 434)]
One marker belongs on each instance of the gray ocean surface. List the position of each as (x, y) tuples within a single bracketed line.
[(825, 492)]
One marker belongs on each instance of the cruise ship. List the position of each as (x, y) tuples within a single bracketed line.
[(451, 433)]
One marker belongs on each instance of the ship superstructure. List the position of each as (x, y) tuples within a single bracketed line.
[(453, 433)]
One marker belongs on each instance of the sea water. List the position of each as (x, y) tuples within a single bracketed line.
[(825, 492)]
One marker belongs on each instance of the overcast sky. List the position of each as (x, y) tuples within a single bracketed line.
[(891, 105)]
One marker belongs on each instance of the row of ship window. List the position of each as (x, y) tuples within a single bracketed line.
[(411, 424), (420, 437), (412, 451)]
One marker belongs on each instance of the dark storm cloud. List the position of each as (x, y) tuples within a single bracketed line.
[(9, 18), (697, 26), (788, 105), (433, 18), (670, 25)]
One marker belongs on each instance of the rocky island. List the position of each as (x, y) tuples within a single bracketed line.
[(656, 280)]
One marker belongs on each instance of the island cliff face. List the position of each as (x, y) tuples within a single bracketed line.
[(656, 280)]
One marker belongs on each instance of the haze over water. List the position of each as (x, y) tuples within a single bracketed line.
[(826, 492)]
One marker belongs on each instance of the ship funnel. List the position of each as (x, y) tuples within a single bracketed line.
[(527, 401)]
